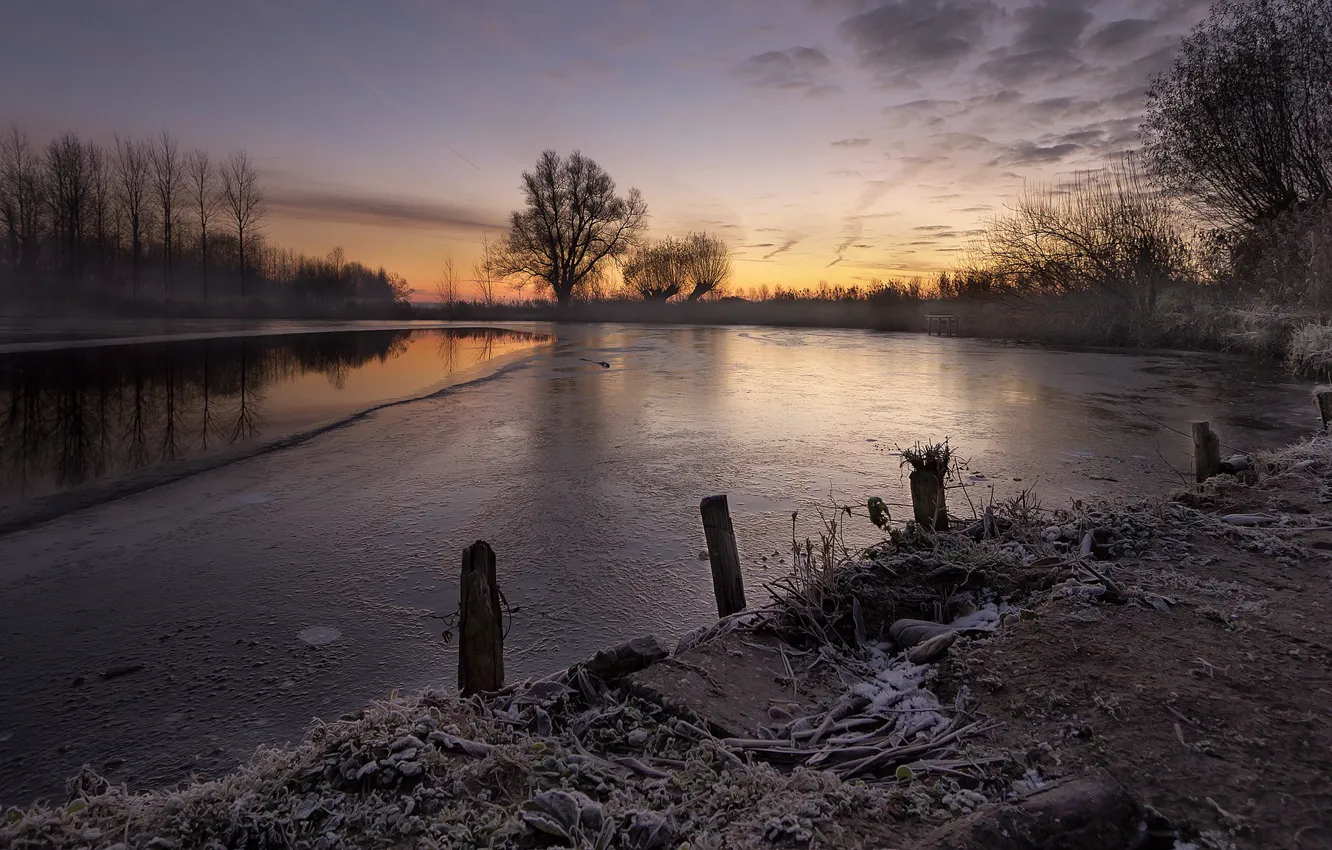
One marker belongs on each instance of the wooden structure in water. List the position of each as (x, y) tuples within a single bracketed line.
[(941, 324)]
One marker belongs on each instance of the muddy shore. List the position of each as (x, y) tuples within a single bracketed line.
[(1152, 674)]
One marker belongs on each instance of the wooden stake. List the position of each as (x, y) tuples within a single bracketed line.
[(1324, 406), (1206, 451), (480, 623), (928, 500), (727, 584)]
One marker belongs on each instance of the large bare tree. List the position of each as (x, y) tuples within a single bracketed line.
[(68, 178), (1243, 121), (244, 203), (21, 200), (573, 223), (1110, 232), (707, 264), (167, 173), (133, 185), (657, 271), (205, 201)]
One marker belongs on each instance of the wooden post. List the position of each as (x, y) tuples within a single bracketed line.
[(1206, 451), (480, 623), (928, 501), (1324, 406), (727, 584)]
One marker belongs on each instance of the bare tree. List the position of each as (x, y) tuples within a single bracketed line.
[(132, 191), (22, 197), (167, 173), (204, 200), (68, 177), (657, 271), (244, 202), (446, 288), (707, 264), (1110, 232), (574, 221), (483, 273), (1243, 121), (99, 204)]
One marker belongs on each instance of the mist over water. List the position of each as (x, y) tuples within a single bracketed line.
[(307, 581)]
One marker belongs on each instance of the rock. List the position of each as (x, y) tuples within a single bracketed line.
[(630, 657), (1084, 813), (908, 633), (124, 670), (1235, 464), (929, 651)]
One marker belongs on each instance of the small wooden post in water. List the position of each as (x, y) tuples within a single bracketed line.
[(1206, 451), (727, 584), (1324, 398), (929, 499), (480, 623)]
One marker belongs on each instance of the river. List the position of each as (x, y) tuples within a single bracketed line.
[(263, 584)]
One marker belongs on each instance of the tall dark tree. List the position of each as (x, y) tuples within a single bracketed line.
[(204, 201), (133, 185), (167, 172), (68, 176), (1243, 121), (243, 200), (22, 198), (574, 222)]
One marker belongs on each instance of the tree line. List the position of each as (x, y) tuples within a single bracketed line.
[(147, 222)]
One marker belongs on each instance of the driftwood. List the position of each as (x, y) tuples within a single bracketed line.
[(629, 657)]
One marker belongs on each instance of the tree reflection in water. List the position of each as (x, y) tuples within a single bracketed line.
[(71, 415)]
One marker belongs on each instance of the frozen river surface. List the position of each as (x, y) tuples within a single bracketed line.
[(260, 593)]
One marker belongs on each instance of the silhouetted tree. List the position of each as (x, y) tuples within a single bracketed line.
[(244, 202), (574, 221), (657, 271), (166, 177), (132, 189), (483, 273), (22, 198), (446, 288), (68, 177), (707, 264), (204, 201), (1243, 121)]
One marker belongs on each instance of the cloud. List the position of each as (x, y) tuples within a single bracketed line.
[(903, 36), (1030, 153), (1042, 65), (976, 209), (1118, 35), (934, 227), (781, 249), (1051, 25), (796, 68), (377, 210), (850, 143)]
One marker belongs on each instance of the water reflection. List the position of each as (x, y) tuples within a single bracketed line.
[(72, 415)]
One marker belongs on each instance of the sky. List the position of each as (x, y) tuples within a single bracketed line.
[(836, 140)]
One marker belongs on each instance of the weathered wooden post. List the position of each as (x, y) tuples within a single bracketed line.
[(928, 499), (1324, 398), (480, 623), (1206, 451), (727, 584)]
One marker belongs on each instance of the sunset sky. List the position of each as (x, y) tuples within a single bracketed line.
[(832, 140)]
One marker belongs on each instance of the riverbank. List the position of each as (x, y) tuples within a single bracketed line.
[(1185, 658)]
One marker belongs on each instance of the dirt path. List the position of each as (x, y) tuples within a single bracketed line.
[(1218, 714)]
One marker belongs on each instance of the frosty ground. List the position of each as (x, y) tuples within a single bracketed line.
[(1173, 650)]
